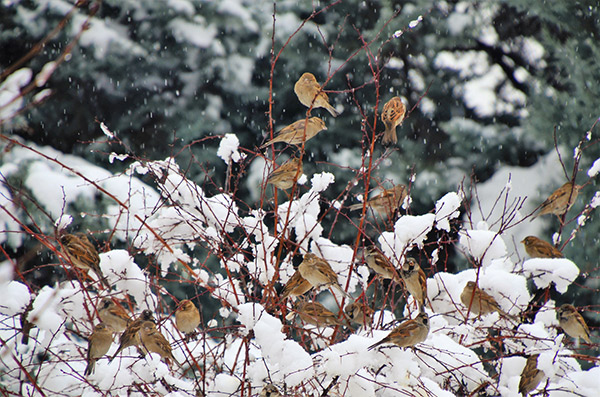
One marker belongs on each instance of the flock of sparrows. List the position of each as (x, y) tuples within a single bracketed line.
[(141, 332)]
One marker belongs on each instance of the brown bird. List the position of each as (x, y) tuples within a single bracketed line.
[(151, 340), (287, 174), (387, 202), (130, 337), (560, 201), (319, 273), (310, 94), (298, 132), (187, 317), (316, 314), (572, 322), (296, 286), (270, 391), (480, 302), (82, 254), (359, 313), (407, 334), (531, 376), (98, 344), (113, 315), (392, 116), (415, 280), (538, 248), (380, 263)]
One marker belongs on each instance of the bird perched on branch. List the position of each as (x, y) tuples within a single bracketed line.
[(538, 248), (151, 340), (298, 132), (318, 272), (572, 322), (531, 376), (98, 344), (407, 334), (386, 202), (415, 280), (359, 313), (113, 315), (560, 201), (310, 94), (82, 254), (296, 286), (270, 391), (286, 175), (130, 337), (480, 302), (392, 116), (316, 314), (380, 263), (187, 317)]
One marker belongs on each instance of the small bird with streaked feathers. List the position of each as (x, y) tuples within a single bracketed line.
[(415, 280), (296, 286), (113, 315), (316, 314), (286, 175), (318, 272), (298, 132), (392, 116), (408, 333), (99, 343), (270, 391), (531, 376), (572, 322), (386, 202), (480, 302), (538, 248), (359, 313), (151, 340), (187, 317), (311, 95), (560, 201), (380, 264), (82, 254), (130, 337)]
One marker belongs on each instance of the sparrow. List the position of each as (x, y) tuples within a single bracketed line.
[(407, 334), (560, 201), (531, 376), (572, 322), (319, 273), (113, 315), (538, 248), (296, 286), (130, 337), (392, 116), (310, 94), (481, 302), (82, 254), (286, 175), (415, 280), (98, 344), (316, 314), (187, 317), (387, 202), (359, 313), (151, 340), (379, 263), (298, 132), (270, 391)]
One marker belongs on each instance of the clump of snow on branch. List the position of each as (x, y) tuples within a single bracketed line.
[(228, 149)]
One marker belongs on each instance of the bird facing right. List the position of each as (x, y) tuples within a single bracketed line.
[(380, 263), (392, 116), (409, 333), (318, 272), (572, 322), (538, 248), (82, 254), (480, 302), (151, 340), (130, 337), (386, 202), (286, 174)]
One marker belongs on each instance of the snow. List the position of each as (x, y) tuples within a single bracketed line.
[(228, 149), (197, 34), (594, 169), (10, 91), (543, 271)]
